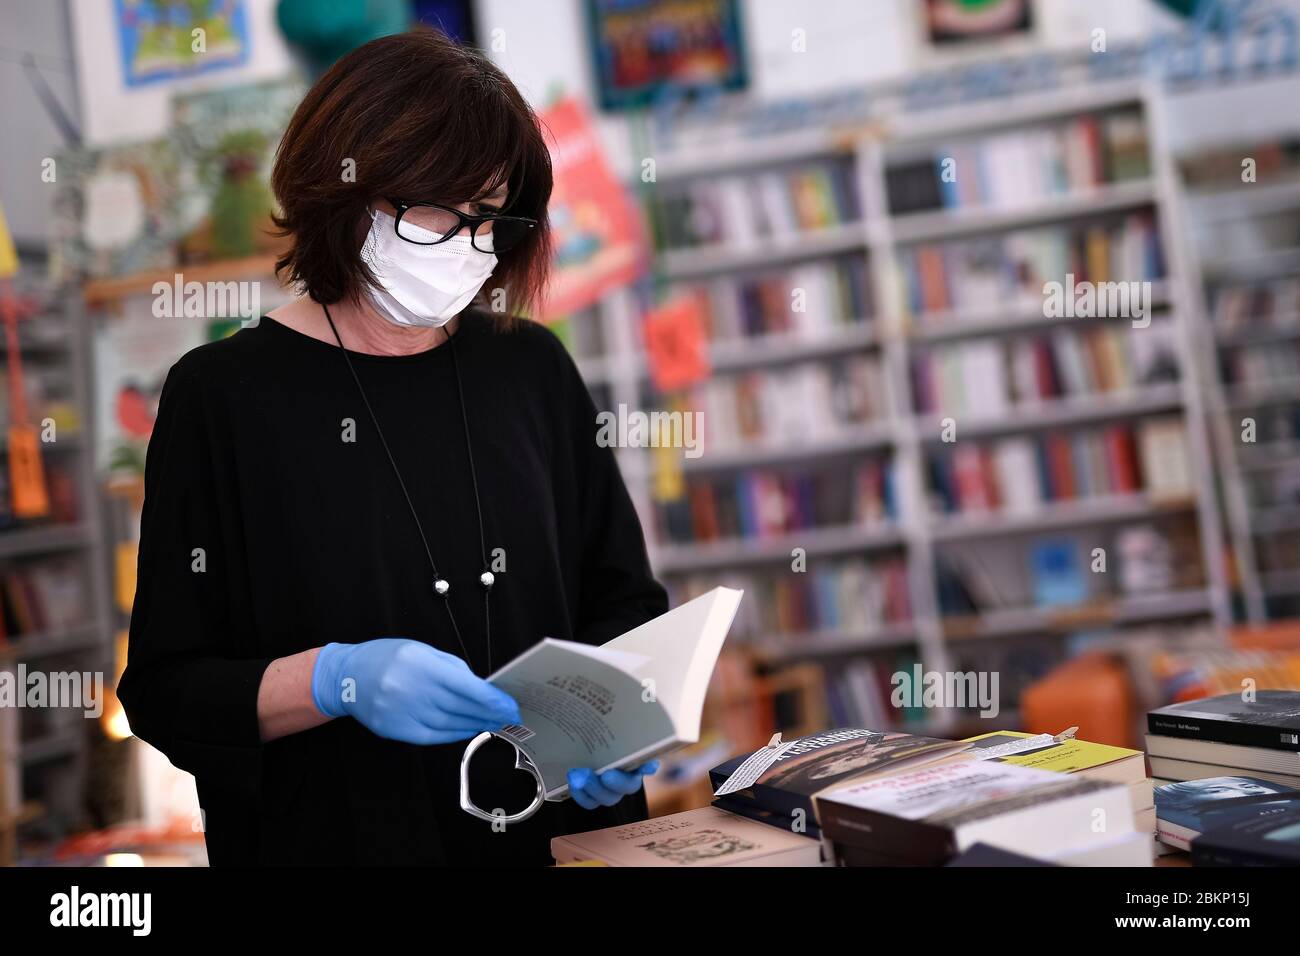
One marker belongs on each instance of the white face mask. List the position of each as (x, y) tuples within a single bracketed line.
[(424, 286)]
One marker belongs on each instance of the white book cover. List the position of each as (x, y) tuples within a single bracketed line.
[(1017, 475), (933, 792), (984, 379), (623, 702)]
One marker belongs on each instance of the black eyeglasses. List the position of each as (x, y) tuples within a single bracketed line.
[(428, 223)]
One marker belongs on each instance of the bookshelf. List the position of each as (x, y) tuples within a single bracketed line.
[(1247, 250), (71, 630), (896, 334)]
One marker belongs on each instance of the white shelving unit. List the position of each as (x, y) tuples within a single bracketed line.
[(917, 533), (1229, 404)]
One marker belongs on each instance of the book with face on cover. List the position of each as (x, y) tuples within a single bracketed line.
[(1186, 809), (703, 837), (824, 761), (623, 702)]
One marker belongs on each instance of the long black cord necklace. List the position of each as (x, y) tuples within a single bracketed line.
[(441, 586)]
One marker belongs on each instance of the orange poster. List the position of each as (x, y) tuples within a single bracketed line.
[(597, 230), (675, 344)]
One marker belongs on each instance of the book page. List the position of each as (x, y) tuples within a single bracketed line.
[(578, 710)]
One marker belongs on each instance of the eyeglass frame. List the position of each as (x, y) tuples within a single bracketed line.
[(464, 221)]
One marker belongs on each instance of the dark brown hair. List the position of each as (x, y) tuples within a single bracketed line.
[(422, 119)]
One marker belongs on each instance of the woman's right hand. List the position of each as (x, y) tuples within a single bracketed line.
[(408, 691)]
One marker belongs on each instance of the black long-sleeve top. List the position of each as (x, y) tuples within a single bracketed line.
[(273, 523)]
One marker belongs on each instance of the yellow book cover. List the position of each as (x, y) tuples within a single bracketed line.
[(1098, 761)]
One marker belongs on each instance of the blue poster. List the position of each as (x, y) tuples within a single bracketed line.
[(165, 40)]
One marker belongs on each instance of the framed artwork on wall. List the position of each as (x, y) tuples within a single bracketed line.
[(645, 50)]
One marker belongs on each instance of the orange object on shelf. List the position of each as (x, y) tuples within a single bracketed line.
[(1092, 692)]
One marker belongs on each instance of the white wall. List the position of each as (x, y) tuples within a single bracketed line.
[(848, 42), (542, 45), (27, 136), (114, 112)]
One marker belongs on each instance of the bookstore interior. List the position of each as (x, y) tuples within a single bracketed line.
[(948, 352)]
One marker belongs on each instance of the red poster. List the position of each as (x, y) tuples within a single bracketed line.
[(596, 226)]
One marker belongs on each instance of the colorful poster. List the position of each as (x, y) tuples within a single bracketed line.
[(227, 140), (597, 230), (167, 39), (644, 50)]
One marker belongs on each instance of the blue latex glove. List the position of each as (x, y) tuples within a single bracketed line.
[(408, 691), (590, 790)]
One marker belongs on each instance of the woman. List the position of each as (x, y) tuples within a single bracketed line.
[(362, 506)]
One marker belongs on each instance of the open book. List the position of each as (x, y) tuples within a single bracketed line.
[(622, 703)]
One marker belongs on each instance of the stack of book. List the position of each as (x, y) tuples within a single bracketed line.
[(1085, 760), (1227, 770), (1227, 736), (926, 817), (893, 798), (858, 797)]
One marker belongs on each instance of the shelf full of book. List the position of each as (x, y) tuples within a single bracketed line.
[(927, 452), (53, 570)]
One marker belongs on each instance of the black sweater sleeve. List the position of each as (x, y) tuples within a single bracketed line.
[(618, 591), (191, 684)]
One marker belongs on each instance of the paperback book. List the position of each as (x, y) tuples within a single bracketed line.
[(1187, 809), (1270, 721)]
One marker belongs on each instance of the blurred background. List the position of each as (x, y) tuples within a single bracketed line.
[(830, 228)]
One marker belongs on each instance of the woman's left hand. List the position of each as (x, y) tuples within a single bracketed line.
[(591, 790)]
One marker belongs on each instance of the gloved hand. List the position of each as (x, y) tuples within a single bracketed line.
[(408, 691), (591, 790)]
